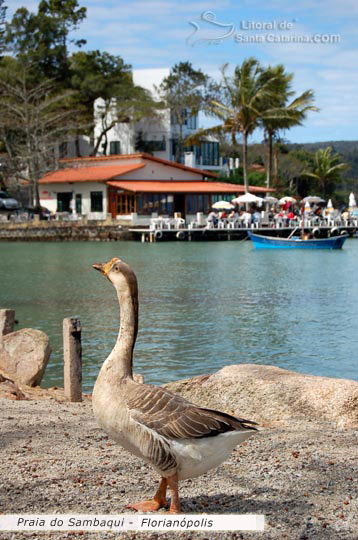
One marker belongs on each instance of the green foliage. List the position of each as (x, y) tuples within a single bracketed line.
[(98, 74), (237, 177), (185, 91), (326, 171), (40, 40)]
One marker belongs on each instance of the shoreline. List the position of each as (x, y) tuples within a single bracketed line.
[(299, 472)]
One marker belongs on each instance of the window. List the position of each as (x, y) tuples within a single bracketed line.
[(222, 197), (209, 153), (64, 201), (126, 202), (63, 150), (78, 203), (156, 146), (174, 146), (155, 202), (197, 203), (96, 201), (191, 121), (114, 147)]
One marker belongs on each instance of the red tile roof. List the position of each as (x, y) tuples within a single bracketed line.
[(140, 155), (189, 186), (89, 174)]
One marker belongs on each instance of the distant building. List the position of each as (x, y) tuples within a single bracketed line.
[(133, 188), (156, 136)]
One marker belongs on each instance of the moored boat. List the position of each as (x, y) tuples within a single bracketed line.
[(271, 242)]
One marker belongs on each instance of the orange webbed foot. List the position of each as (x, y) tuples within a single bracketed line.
[(149, 506)]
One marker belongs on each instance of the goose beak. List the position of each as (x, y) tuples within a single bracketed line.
[(100, 267)]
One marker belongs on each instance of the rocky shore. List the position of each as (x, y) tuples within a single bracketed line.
[(300, 470), (47, 231)]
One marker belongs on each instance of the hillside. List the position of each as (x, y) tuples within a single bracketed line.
[(347, 149)]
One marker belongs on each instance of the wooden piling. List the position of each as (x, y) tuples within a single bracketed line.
[(72, 357), (7, 321)]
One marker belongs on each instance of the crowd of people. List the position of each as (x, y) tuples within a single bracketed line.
[(286, 214), (246, 217)]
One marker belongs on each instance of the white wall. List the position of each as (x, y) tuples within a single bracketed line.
[(48, 194), (160, 171)]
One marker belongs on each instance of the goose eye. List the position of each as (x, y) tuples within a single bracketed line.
[(116, 268)]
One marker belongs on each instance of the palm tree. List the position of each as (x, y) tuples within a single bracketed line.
[(243, 100), (283, 115), (326, 170)]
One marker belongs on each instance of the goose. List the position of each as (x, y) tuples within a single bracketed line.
[(178, 438)]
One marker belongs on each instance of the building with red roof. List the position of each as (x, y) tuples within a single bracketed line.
[(133, 187)]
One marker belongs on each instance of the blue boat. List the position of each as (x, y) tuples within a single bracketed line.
[(272, 242)]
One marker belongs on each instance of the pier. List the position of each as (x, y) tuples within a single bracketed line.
[(214, 234)]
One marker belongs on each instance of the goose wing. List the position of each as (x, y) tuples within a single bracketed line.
[(174, 417)]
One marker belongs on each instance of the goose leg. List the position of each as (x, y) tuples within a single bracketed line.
[(175, 507), (158, 501)]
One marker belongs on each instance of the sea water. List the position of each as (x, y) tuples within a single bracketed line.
[(202, 305)]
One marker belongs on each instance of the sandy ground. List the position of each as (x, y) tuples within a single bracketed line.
[(54, 459)]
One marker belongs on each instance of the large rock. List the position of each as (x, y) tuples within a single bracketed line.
[(271, 395), (24, 355)]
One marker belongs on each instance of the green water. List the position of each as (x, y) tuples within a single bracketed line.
[(202, 305)]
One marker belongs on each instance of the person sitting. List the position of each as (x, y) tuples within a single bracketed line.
[(245, 218), (256, 217), (213, 218)]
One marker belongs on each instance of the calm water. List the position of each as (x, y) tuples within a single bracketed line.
[(202, 305)]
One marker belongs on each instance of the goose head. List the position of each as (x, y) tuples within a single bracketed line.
[(119, 274)]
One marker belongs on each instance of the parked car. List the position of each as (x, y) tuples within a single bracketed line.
[(7, 202), (43, 212)]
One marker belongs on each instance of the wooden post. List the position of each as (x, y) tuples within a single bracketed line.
[(72, 356), (7, 321)]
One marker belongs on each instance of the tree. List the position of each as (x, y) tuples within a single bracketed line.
[(326, 170), (184, 92), (34, 119), (244, 101), (283, 114), (96, 74), (41, 39)]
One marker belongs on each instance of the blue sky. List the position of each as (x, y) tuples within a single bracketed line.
[(157, 34)]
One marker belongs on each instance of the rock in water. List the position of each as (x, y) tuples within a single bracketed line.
[(24, 355)]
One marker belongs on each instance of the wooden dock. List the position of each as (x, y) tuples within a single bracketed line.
[(215, 234)]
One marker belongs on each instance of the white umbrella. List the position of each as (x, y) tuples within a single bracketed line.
[(287, 199), (330, 205), (269, 199), (307, 206), (313, 199), (352, 201), (247, 198), (224, 205)]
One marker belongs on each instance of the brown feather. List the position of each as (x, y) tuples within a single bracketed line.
[(173, 417)]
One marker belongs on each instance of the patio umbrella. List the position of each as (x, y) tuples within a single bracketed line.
[(313, 199), (222, 205), (307, 207), (286, 199), (330, 205), (247, 198), (271, 200)]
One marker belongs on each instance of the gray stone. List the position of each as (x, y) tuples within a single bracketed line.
[(271, 395), (24, 355)]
